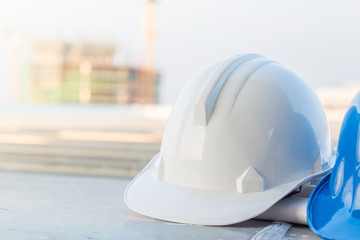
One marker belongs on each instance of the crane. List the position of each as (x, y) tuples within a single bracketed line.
[(149, 77)]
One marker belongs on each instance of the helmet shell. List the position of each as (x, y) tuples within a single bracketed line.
[(243, 134), (263, 116), (333, 210)]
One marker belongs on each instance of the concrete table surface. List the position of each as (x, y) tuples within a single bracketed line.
[(42, 206)]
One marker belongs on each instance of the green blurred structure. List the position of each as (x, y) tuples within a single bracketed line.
[(85, 73)]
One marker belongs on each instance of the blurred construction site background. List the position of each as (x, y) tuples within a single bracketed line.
[(86, 86)]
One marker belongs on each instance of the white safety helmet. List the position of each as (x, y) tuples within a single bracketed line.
[(243, 134)]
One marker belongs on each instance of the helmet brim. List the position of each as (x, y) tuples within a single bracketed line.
[(328, 218), (162, 200)]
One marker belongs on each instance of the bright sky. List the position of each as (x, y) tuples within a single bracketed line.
[(318, 39)]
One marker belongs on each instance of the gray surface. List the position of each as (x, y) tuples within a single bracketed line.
[(40, 206)]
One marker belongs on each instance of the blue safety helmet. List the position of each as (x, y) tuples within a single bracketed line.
[(333, 210)]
